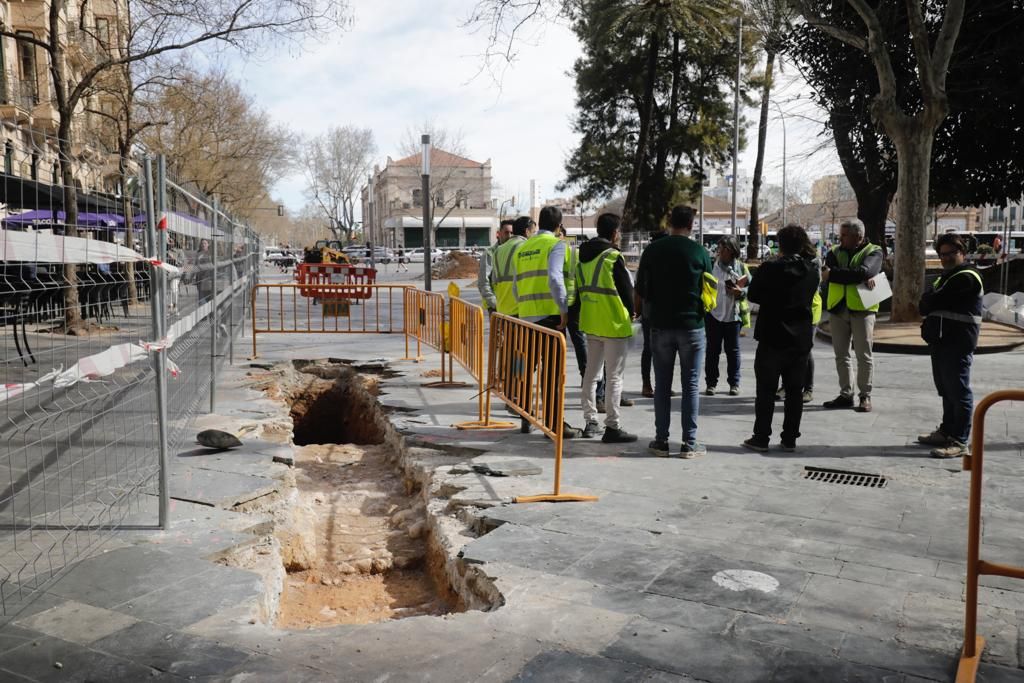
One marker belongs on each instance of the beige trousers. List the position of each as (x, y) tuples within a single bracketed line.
[(857, 327)]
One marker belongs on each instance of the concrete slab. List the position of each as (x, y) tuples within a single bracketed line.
[(77, 623)]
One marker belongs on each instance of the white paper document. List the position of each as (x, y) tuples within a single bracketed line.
[(881, 292)]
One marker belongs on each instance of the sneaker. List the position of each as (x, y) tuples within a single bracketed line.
[(780, 394), (936, 438), (865, 405), (808, 396), (755, 444), (648, 391), (658, 448), (689, 451), (788, 446), (570, 432), (590, 430), (601, 406), (625, 402), (525, 427), (840, 401), (954, 449), (614, 435), (710, 391), (734, 390)]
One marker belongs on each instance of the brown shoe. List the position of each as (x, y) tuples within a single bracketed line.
[(865, 405), (648, 392)]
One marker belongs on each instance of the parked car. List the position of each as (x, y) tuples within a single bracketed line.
[(416, 255)]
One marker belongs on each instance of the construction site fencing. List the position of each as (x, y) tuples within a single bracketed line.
[(526, 369), (114, 318), (970, 655), (426, 324), (328, 309)]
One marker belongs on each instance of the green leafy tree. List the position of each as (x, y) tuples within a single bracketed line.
[(653, 89)]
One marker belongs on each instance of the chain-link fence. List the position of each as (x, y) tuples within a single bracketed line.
[(116, 311)]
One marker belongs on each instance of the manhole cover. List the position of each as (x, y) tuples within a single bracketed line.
[(823, 474)]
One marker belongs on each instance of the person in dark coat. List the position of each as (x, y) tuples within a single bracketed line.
[(784, 288)]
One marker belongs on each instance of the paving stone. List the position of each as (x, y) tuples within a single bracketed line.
[(77, 623), (890, 559), (38, 661), (626, 566), (221, 489), (813, 639), (124, 574), (538, 549), (937, 623), (800, 667), (513, 467), (172, 651), (694, 578), (193, 599), (12, 636), (575, 668), (707, 657), (849, 606), (990, 673), (555, 621), (928, 664)]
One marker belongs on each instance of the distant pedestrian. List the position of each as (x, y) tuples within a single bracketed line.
[(784, 288), (724, 321), (483, 279), (952, 309), (403, 261), (670, 281), (854, 262), (605, 293)]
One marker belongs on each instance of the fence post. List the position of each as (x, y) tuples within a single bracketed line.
[(231, 298), (214, 322), (158, 244)]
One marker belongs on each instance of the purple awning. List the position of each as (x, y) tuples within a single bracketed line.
[(85, 219)]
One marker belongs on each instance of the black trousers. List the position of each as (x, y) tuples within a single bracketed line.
[(771, 364)]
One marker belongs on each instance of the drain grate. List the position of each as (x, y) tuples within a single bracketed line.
[(871, 481)]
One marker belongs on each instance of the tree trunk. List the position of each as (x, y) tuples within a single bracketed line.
[(645, 126), (754, 228), (914, 152)]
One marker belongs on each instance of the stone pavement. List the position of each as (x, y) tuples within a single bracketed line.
[(732, 567)]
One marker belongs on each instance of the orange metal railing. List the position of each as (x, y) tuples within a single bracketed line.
[(526, 369), (425, 323), (970, 656), (327, 309)]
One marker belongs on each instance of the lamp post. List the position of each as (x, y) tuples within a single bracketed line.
[(368, 223), (425, 193), (783, 117), (736, 114)]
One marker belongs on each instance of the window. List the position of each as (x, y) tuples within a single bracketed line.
[(55, 174), (439, 198), (27, 65), (33, 172), (8, 158), (417, 198), (1013, 213), (103, 33)]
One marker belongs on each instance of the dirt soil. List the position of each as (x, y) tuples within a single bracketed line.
[(356, 551), (458, 266)]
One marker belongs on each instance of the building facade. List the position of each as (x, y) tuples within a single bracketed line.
[(463, 212), (28, 110)]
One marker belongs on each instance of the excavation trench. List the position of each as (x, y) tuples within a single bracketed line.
[(353, 537)]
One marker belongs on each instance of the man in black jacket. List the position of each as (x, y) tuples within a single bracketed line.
[(783, 288), (952, 309)]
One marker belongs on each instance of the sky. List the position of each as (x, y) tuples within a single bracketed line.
[(403, 62)]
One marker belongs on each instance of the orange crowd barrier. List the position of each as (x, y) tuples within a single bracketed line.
[(285, 309), (970, 655), (526, 369), (466, 329), (425, 322), (312, 274)]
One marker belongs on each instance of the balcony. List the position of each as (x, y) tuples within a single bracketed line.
[(83, 50), (45, 117), (17, 98)]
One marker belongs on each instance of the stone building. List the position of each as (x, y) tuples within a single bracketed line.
[(28, 109), (463, 212)]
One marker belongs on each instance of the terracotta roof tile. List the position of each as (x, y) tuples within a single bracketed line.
[(439, 158)]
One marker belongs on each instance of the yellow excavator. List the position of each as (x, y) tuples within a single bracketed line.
[(327, 251)]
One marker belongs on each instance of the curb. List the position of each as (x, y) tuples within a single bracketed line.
[(919, 348)]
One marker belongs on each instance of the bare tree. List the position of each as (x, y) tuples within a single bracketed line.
[(146, 29), (218, 139), (911, 129), (335, 165)]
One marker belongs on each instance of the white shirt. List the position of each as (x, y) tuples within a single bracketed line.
[(727, 308)]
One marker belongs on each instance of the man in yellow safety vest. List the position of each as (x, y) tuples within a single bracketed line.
[(854, 262), (503, 274), (541, 269), (605, 293), (483, 280)]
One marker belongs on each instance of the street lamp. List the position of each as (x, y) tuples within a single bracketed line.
[(736, 114), (425, 192)]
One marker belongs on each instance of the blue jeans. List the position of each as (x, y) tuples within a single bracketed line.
[(720, 333), (951, 371), (666, 346)]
